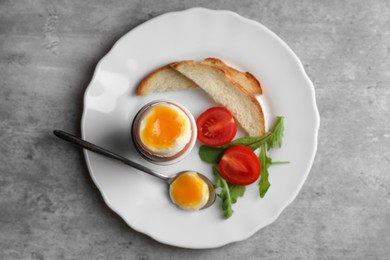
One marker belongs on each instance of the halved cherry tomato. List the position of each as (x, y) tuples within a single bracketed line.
[(239, 165), (216, 126)]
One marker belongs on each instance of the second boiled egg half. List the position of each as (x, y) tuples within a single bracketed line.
[(189, 191)]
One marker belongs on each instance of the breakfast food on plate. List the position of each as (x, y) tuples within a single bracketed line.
[(165, 79), (216, 126), (239, 165), (245, 79), (226, 92), (189, 191), (164, 132)]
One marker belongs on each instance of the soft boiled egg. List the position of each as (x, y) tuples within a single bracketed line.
[(164, 131), (189, 191)]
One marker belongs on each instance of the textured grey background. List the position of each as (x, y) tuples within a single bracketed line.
[(49, 207)]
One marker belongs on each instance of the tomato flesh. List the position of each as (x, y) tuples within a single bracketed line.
[(239, 165), (216, 126)]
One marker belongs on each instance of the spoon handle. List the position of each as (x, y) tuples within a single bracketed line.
[(97, 149)]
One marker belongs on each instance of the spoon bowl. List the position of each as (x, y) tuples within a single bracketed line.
[(210, 186), (168, 179)]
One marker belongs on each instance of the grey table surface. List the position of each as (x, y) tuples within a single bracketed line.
[(50, 208)]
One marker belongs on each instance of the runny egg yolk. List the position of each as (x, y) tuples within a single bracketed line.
[(163, 127), (189, 191)]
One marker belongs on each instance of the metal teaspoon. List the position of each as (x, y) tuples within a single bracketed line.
[(168, 179)]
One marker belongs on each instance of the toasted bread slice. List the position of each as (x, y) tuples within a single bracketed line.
[(218, 83), (164, 79), (245, 79)]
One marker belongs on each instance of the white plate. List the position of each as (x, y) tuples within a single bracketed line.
[(110, 105)]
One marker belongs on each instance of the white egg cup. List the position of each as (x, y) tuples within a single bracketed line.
[(163, 160)]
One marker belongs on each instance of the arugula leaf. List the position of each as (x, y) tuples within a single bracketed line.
[(236, 192), (260, 142), (224, 194), (249, 141), (264, 183), (229, 193), (211, 154), (265, 162), (214, 154), (276, 133), (284, 162)]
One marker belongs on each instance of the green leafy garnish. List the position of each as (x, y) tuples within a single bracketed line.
[(214, 154), (248, 141), (276, 133), (211, 154), (265, 162), (260, 142), (229, 193)]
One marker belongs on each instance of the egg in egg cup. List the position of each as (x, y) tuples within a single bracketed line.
[(164, 132)]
